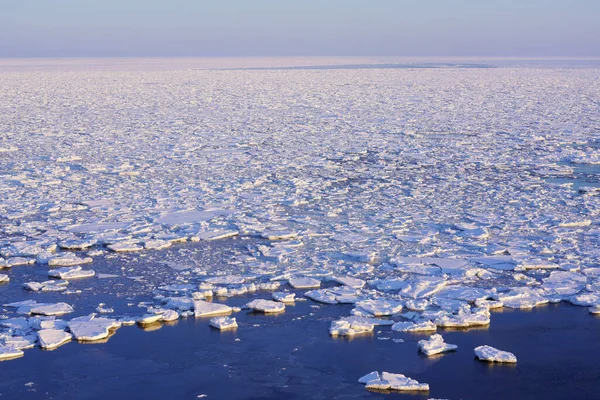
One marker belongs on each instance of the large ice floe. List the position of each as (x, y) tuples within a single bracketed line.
[(422, 200), (491, 354), (389, 381)]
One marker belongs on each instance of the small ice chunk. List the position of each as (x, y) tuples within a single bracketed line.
[(47, 286), (425, 326), (350, 328), (4, 278), (372, 376), (157, 244), (223, 323), (169, 315), (52, 309), (304, 283), (68, 260), (266, 306), (179, 303), (491, 354), (594, 310), (380, 307), (52, 338), (124, 247), (77, 244), (148, 319), (322, 296), (284, 297), (435, 345), (576, 224), (71, 273), (349, 281), (103, 309), (205, 309)]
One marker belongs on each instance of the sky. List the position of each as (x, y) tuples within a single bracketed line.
[(132, 28)]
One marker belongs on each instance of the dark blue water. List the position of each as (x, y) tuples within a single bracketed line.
[(290, 358)]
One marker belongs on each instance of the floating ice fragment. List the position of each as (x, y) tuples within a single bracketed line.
[(372, 376), (350, 328), (389, 381), (52, 338), (157, 244), (77, 244), (47, 286), (322, 296), (304, 283), (425, 326), (266, 306), (15, 262), (491, 354), (148, 319), (223, 323), (89, 328), (349, 281), (284, 297), (71, 273), (380, 307), (8, 353), (68, 260), (52, 309), (4, 278), (206, 309), (435, 345), (124, 247), (169, 315)]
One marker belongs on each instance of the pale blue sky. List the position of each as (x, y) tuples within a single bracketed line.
[(55, 28)]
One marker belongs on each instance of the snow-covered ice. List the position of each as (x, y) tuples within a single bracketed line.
[(52, 338), (89, 328), (71, 273), (390, 381), (265, 306), (330, 187), (205, 309), (223, 323), (435, 345), (491, 354)]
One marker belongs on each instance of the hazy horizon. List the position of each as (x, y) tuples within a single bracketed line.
[(234, 28)]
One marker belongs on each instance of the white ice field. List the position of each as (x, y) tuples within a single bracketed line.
[(422, 196)]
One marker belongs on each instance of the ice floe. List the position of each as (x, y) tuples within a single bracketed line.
[(389, 381), (435, 345), (71, 273), (304, 283), (52, 338), (205, 309), (491, 354), (223, 323), (265, 306), (89, 328)]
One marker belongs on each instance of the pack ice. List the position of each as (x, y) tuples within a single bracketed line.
[(345, 195)]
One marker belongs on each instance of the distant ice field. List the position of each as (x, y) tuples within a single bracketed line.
[(420, 195)]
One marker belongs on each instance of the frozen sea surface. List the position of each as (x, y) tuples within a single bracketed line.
[(428, 195)]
